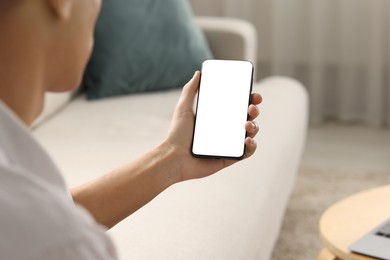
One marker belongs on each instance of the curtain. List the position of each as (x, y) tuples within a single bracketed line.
[(339, 49)]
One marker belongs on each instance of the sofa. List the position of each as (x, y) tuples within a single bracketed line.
[(234, 214)]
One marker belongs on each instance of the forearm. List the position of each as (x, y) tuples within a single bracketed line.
[(116, 195)]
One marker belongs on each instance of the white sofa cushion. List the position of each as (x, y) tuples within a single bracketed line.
[(53, 103)]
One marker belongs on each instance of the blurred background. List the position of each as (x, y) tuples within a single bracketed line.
[(340, 50)]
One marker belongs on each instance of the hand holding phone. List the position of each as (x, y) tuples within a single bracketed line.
[(222, 109)]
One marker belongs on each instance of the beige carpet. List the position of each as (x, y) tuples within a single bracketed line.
[(315, 190)]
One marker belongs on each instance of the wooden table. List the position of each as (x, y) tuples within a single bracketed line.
[(351, 218)]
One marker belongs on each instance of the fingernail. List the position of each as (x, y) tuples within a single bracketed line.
[(254, 125)]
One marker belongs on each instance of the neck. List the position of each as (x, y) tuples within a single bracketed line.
[(21, 77)]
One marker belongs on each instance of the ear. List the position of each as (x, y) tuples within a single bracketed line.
[(61, 8)]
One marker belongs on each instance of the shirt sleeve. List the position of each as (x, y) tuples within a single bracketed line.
[(88, 246)]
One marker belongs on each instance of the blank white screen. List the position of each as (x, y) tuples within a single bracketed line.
[(222, 108)]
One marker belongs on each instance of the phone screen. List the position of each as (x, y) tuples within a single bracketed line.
[(222, 109)]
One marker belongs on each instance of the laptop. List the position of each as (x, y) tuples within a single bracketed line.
[(375, 243)]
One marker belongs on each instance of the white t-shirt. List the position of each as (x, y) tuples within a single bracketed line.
[(38, 218)]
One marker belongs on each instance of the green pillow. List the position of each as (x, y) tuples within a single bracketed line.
[(144, 45)]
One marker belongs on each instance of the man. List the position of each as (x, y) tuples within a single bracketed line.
[(44, 46)]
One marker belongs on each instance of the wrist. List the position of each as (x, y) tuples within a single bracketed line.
[(169, 160)]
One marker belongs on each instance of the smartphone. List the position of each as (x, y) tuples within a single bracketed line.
[(222, 109)]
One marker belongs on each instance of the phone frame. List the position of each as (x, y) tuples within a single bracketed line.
[(215, 156)]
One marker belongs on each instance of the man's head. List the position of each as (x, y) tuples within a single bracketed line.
[(72, 39), (65, 28), (45, 43)]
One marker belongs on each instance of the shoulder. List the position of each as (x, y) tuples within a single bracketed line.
[(44, 222)]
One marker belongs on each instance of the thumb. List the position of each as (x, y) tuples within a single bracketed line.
[(188, 93)]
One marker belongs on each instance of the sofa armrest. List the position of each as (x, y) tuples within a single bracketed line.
[(230, 38)]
